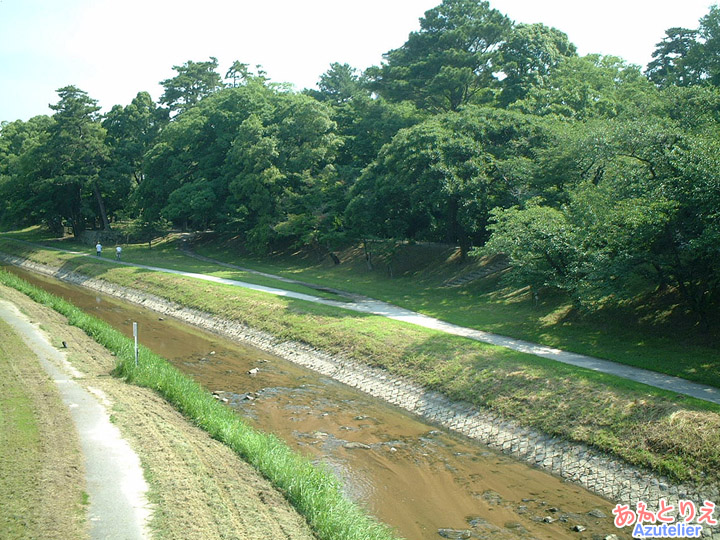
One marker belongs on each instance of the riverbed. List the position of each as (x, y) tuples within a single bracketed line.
[(422, 480)]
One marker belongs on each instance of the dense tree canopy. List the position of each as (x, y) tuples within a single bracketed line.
[(593, 86), (439, 180), (528, 56), (57, 179), (688, 57), (673, 63), (194, 81), (450, 61), (593, 177)]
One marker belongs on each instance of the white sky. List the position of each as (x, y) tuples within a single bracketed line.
[(113, 49)]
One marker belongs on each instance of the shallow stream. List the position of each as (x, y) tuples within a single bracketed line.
[(423, 481)]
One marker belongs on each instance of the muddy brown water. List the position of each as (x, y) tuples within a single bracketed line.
[(423, 481)]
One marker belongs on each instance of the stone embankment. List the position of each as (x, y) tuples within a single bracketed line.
[(597, 472)]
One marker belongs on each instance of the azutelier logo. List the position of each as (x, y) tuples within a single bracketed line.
[(685, 520)]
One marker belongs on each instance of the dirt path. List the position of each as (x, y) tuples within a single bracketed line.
[(114, 479), (198, 487)]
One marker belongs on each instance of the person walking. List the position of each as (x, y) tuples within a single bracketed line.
[(98, 249), (118, 251)]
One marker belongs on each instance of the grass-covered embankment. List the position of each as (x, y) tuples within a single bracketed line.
[(21, 444), (653, 334), (41, 476), (314, 492), (671, 434), (650, 333)]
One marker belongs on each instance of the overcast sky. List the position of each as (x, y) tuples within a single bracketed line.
[(113, 49)]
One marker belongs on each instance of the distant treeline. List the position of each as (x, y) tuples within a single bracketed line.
[(594, 176)]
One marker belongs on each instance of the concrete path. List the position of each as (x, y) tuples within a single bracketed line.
[(116, 487), (383, 309), (371, 306)]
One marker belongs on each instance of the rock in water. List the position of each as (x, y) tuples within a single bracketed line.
[(454, 534), (355, 445)]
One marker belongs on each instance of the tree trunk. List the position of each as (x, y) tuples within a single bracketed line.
[(334, 257), (455, 232), (452, 220), (101, 206), (464, 248), (368, 255), (77, 224)]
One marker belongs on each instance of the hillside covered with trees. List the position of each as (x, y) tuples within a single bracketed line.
[(595, 177)]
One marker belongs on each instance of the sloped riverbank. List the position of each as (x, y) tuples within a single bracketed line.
[(200, 489), (580, 464)]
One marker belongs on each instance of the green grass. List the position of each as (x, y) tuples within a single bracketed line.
[(671, 434), (622, 417), (314, 492), (21, 448), (617, 335), (165, 254)]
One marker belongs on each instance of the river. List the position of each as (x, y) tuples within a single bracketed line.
[(423, 481)]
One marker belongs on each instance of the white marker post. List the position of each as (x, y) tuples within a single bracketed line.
[(135, 335)]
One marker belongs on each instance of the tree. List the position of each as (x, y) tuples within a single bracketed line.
[(587, 87), (527, 57), (695, 108), (76, 152), (280, 171), (191, 203), (439, 179), (449, 61), (540, 243), (131, 132), (672, 63), (366, 124), (648, 220), (339, 84), (245, 159), (22, 161), (53, 171), (364, 121), (193, 149), (238, 74), (707, 55), (194, 81), (688, 57)]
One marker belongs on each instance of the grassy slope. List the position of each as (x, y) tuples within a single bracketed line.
[(669, 433), (314, 492), (487, 305), (632, 336), (33, 439), (20, 441)]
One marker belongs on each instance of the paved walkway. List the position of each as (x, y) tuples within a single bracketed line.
[(116, 486), (376, 307)]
